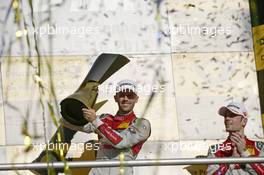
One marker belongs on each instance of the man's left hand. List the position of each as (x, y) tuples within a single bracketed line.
[(89, 114), (239, 141)]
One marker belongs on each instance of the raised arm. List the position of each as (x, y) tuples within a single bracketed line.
[(137, 132)]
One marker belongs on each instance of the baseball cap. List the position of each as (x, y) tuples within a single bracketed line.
[(234, 107), (126, 85)]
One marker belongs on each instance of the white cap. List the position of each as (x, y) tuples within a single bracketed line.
[(234, 107), (126, 85)]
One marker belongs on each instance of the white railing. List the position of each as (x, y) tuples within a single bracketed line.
[(140, 162)]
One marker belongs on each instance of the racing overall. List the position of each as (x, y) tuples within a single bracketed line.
[(253, 149), (121, 138)]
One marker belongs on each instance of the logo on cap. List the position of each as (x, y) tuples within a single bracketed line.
[(234, 107), (126, 85)]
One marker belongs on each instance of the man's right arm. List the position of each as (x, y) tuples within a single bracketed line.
[(137, 132), (88, 128), (215, 169)]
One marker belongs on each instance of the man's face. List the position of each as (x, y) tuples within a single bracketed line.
[(234, 122), (126, 101)]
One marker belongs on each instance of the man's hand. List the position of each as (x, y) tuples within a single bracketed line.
[(239, 141), (235, 153), (89, 114)]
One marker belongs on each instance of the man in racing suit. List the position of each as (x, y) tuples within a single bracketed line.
[(236, 145), (121, 136)]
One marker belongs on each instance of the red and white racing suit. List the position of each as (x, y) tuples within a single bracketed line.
[(254, 149), (123, 135)]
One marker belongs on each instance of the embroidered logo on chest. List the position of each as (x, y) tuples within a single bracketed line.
[(251, 150), (123, 125)]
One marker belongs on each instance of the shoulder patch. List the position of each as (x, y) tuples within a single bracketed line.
[(259, 145), (141, 122), (143, 125)]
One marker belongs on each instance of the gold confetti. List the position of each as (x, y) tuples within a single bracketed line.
[(61, 153), (122, 158), (20, 33), (122, 170), (15, 4), (37, 79), (27, 141)]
